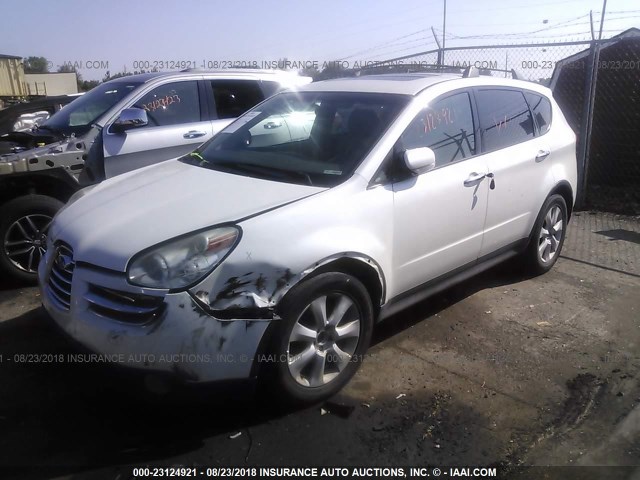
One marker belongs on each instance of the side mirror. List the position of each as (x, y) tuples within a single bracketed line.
[(130, 118), (420, 160)]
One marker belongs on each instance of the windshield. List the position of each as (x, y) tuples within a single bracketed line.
[(79, 115), (310, 138)]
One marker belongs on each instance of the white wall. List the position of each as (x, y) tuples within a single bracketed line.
[(51, 83)]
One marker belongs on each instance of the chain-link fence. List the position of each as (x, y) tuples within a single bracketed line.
[(596, 83)]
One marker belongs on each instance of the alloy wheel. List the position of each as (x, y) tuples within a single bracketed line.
[(550, 234), (26, 240), (323, 340)]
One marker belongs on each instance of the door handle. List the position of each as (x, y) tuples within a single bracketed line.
[(194, 134), (473, 179), (272, 125), (542, 154)]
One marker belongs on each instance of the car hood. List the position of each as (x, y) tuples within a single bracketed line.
[(122, 216)]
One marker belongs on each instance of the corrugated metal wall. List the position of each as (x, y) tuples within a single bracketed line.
[(12, 83)]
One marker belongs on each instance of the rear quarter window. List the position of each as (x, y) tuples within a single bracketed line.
[(270, 88), (541, 108), (505, 118), (234, 97)]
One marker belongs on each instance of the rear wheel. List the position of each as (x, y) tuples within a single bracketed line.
[(24, 224), (547, 236), (326, 329)]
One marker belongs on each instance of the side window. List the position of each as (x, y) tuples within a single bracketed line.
[(234, 97), (505, 118), (171, 104), (541, 108), (270, 88), (446, 127)]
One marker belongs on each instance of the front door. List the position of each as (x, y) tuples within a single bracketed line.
[(175, 128), (439, 215)]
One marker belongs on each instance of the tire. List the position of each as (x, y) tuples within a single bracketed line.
[(322, 359), (24, 222), (546, 240)]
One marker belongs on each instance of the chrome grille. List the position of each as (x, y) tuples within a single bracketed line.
[(123, 306), (61, 276)]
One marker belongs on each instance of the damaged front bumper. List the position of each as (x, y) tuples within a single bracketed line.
[(152, 330)]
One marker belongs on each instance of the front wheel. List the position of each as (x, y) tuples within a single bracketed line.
[(326, 330), (548, 235), (24, 224)]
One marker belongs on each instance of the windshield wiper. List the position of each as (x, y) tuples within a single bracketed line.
[(193, 158), (297, 174)]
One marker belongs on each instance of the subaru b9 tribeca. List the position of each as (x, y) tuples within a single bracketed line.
[(274, 248)]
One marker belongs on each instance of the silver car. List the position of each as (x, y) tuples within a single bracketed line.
[(119, 126), (274, 256)]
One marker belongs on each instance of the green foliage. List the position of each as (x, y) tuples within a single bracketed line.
[(124, 73), (310, 72), (333, 69), (66, 68), (86, 85), (36, 65)]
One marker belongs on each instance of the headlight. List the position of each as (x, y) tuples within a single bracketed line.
[(182, 262)]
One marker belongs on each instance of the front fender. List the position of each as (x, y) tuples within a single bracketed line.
[(256, 293), (314, 232)]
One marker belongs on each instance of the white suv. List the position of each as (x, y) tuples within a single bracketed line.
[(274, 248)]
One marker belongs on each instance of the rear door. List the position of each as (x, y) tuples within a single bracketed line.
[(177, 125), (230, 98), (513, 155)]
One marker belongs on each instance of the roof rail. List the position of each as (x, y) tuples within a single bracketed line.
[(470, 72), (241, 70)]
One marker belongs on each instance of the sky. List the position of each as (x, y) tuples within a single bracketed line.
[(116, 35)]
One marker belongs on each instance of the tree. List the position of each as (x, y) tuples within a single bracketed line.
[(312, 72), (67, 68), (334, 69), (108, 76), (36, 65), (124, 73), (86, 85)]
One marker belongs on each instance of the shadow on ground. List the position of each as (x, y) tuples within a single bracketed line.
[(83, 416), (621, 234), (9, 284), (503, 274)]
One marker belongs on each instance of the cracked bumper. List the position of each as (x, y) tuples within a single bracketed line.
[(181, 339)]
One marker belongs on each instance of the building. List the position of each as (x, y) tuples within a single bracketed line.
[(12, 82), (51, 83)]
